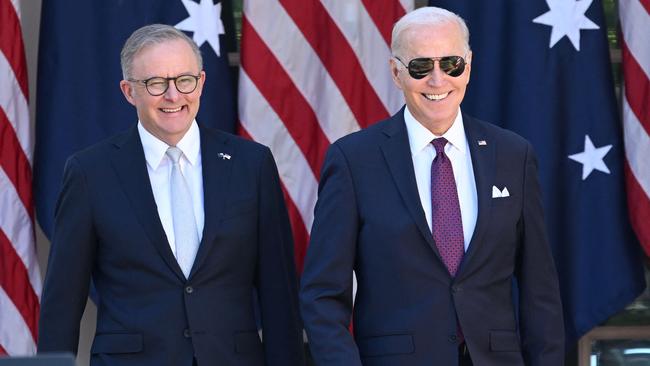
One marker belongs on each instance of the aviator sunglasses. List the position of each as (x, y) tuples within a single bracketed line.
[(422, 66)]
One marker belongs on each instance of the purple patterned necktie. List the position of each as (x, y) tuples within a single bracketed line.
[(446, 222)]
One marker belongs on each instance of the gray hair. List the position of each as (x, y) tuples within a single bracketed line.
[(150, 35), (428, 15)]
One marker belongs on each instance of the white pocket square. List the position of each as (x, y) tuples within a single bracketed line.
[(496, 193)]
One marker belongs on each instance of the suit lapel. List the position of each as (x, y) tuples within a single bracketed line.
[(483, 161), (131, 167), (216, 175), (397, 153)]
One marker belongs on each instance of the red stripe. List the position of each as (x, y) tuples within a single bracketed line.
[(637, 87), (282, 95), (11, 44), (384, 15), (15, 164), (339, 59), (300, 234), (646, 5), (639, 208), (3, 352), (14, 279)]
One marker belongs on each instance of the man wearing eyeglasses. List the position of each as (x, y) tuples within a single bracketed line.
[(439, 216), (179, 226)]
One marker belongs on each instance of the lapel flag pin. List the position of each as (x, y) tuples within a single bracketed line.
[(482, 143), (224, 156)]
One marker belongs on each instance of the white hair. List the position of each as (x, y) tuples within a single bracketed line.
[(428, 15)]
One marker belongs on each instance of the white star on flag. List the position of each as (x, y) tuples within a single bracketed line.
[(204, 21), (567, 18), (591, 158)]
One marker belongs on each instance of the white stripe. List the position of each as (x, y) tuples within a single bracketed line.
[(14, 104), (371, 49), (637, 147), (16, 4), (15, 336), (635, 26), (265, 127), (305, 69), (17, 225), (407, 5)]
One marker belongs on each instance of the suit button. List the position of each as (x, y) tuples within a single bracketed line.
[(456, 289), (452, 338), (189, 289), (186, 333)]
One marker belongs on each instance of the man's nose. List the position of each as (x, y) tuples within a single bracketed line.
[(172, 93), (437, 76)]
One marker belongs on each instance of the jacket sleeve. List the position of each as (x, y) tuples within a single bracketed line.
[(276, 274), (326, 283), (70, 265), (541, 323)]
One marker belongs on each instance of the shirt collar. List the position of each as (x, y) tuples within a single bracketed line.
[(420, 137), (154, 149)]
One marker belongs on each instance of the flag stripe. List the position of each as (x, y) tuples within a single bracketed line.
[(639, 206), (14, 104), (15, 336), (298, 115), (637, 88), (407, 5), (14, 162), (17, 226), (20, 281), (635, 26), (14, 279), (324, 36), (637, 147), (313, 71), (384, 19), (276, 29), (12, 47), (297, 177), (369, 46)]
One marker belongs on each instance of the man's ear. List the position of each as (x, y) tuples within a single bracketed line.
[(394, 72), (127, 90)]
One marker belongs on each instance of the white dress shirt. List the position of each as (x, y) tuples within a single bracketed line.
[(457, 149), (159, 167)]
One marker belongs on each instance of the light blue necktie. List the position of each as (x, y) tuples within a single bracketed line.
[(185, 230)]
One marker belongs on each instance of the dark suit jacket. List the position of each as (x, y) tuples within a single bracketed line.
[(369, 219), (107, 227)]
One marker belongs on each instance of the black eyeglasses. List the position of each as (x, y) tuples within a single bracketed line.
[(158, 85), (420, 67)]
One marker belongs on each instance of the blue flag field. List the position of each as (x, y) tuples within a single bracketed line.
[(79, 100), (542, 69)]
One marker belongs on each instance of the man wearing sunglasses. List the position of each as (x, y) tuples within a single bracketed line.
[(177, 225), (439, 215)]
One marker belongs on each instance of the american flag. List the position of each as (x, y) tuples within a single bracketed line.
[(20, 281), (635, 27), (313, 71)]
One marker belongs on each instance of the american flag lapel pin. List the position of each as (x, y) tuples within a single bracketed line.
[(224, 156), (482, 143)]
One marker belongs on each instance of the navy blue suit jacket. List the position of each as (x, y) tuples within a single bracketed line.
[(369, 219), (107, 228)]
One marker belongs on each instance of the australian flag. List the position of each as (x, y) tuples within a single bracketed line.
[(541, 68), (79, 100)]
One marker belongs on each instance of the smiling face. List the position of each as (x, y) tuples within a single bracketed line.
[(435, 99), (170, 115)]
